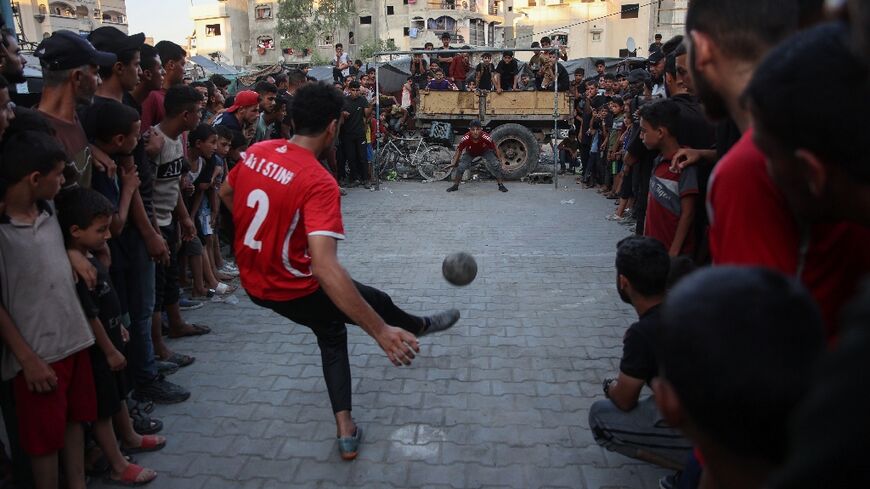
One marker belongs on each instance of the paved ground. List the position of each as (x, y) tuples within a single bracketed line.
[(499, 401)]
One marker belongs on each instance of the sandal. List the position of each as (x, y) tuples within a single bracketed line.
[(224, 289), (348, 446), (150, 443), (130, 477), (193, 330), (179, 359)]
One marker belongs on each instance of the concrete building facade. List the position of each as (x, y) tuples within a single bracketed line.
[(37, 19), (244, 32)]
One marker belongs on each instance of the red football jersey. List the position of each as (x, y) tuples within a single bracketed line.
[(281, 195), (476, 148)]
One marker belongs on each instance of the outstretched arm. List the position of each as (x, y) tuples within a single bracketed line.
[(399, 345)]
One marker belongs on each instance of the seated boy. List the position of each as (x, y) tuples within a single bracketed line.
[(624, 422), (440, 83), (85, 217), (44, 333), (671, 203)]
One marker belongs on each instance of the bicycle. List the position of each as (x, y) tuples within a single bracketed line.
[(430, 160)]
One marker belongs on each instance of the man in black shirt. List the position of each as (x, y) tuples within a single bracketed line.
[(353, 137), (445, 59), (624, 422), (506, 72)]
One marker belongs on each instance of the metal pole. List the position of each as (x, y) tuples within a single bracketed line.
[(378, 125), (556, 126)]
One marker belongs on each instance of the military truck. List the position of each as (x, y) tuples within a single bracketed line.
[(518, 121)]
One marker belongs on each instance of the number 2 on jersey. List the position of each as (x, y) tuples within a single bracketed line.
[(257, 198)]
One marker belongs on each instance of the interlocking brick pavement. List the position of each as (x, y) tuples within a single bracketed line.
[(499, 401)]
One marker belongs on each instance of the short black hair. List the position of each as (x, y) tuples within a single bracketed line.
[(579, 71), (79, 206), (315, 106), (224, 132), (169, 51), (280, 78), (265, 87), (295, 77), (150, 58), (609, 76), (220, 81), (238, 139), (756, 334), (181, 98), (745, 29), (29, 151), (813, 126), (124, 57), (645, 263), (545, 40), (106, 120), (662, 113), (617, 100), (201, 133), (600, 62), (354, 84), (339, 45), (671, 44), (681, 266), (508, 53)]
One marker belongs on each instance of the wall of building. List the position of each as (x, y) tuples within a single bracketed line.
[(222, 28), (39, 18)]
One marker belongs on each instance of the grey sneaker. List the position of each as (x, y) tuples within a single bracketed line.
[(348, 446), (441, 321)]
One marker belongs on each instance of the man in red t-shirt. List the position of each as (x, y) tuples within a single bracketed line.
[(473, 145), (287, 216)]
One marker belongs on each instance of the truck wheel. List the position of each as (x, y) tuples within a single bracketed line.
[(520, 149)]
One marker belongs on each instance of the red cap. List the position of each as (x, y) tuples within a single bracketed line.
[(245, 98)]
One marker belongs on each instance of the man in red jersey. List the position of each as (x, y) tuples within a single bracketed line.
[(750, 221), (287, 218), (477, 144)]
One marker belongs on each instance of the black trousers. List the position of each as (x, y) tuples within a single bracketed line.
[(353, 150), (318, 312)]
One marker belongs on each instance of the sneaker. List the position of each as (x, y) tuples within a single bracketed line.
[(613, 217), (232, 272), (161, 391), (454, 188), (165, 368), (188, 305), (502, 188), (348, 446), (440, 322)]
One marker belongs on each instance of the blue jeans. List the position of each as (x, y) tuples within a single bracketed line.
[(136, 281)]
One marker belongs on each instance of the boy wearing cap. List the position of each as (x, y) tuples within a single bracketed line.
[(657, 70), (244, 112), (475, 144), (69, 66)]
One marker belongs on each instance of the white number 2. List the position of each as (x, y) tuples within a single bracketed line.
[(257, 198)]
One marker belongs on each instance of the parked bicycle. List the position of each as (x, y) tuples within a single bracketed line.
[(430, 160)]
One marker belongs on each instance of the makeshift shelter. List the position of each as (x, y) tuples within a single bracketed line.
[(205, 67)]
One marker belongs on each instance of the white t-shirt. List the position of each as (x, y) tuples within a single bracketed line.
[(336, 61), (406, 97), (167, 185)]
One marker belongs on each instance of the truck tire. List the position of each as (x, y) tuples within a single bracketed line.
[(520, 149)]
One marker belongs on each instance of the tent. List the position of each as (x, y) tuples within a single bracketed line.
[(206, 67)]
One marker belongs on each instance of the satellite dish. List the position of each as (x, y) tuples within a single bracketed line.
[(630, 44)]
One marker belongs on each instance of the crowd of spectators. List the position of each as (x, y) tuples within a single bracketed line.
[(748, 205)]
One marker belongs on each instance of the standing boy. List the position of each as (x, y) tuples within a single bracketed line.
[(484, 72), (477, 144), (44, 333), (671, 202)]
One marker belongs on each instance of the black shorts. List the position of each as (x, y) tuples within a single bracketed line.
[(111, 387)]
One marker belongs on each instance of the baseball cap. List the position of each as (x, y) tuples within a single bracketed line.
[(66, 50), (112, 40), (245, 98), (475, 123), (638, 75), (655, 57)]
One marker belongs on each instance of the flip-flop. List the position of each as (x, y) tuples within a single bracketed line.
[(224, 289), (129, 477), (179, 359), (195, 330), (150, 443)]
